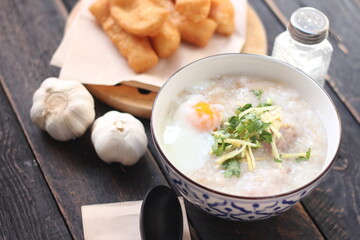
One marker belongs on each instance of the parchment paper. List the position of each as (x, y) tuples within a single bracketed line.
[(87, 55), (118, 221)]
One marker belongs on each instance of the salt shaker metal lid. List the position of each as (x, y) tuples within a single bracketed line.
[(308, 25)]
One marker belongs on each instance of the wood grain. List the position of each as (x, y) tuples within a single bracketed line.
[(297, 222), (31, 31), (125, 98), (271, 23), (72, 170), (256, 40), (294, 224), (335, 203), (27, 206)]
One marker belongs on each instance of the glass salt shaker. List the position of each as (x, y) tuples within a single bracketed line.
[(304, 44)]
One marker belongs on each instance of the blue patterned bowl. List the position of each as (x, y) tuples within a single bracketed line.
[(233, 207)]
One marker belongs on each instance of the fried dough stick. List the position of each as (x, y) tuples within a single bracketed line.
[(137, 50), (198, 33), (167, 40), (193, 10), (167, 4), (139, 17), (223, 13)]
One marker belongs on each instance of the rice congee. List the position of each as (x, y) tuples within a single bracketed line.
[(244, 136)]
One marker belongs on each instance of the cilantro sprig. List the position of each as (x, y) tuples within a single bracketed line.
[(257, 93), (247, 130), (306, 158), (299, 157), (232, 168), (236, 137)]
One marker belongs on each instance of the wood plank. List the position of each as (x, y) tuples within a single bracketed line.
[(31, 31), (27, 205), (335, 203), (271, 23), (69, 4), (330, 216), (75, 175), (294, 224), (343, 16)]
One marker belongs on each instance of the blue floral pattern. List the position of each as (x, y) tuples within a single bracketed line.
[(232, 208)]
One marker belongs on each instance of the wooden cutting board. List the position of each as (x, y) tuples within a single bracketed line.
[(139, 102)]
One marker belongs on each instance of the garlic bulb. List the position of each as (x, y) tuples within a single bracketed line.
[(119, 137), (65, 109)]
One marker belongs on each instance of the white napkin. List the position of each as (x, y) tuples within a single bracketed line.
[(118, 221), (87, 55)]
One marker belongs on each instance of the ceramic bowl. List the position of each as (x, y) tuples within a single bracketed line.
[(229, 206)]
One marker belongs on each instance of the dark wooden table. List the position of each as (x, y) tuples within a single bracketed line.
[(43, 183)]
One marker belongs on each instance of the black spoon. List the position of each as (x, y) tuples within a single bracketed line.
[(161, 216)]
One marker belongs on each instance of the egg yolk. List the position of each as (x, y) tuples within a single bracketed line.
[(204, 116)]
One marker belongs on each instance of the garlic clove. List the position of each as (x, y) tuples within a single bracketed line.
[(57, 126), (63, 108), (110, 146), (119, 137), (37, 115)]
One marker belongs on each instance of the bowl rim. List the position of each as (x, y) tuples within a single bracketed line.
[(239, 197)]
